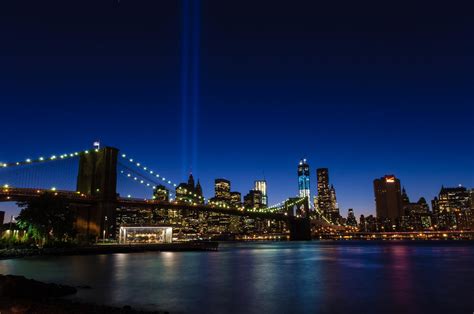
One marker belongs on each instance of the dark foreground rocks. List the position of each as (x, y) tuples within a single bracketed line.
[(63, 306), (20, 287), (21, 295)]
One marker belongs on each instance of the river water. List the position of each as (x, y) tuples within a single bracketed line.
[(279, 277)]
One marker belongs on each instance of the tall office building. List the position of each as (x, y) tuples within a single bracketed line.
[(261, 185), (253, 199), (324, 193), (452, 208), (222, 189), (351, 220), (326, 199), (453, 199), (303, 179), (2, 217), (235, 199), (388, 198)]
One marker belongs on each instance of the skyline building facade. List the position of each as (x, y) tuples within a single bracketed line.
[(253, 199), (452, 200), (188, 192), (325, 200), (222, 191), (351, 219), (235, 199), (388, 198), (261, 185), (303, 179), (161, 193), (452, 208)]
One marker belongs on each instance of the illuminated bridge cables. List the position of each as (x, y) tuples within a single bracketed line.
[(61, 174), (45, 158), (322, 216), (139, 180), (131, 162)]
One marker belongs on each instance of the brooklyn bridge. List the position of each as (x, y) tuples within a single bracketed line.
[(98, 205)]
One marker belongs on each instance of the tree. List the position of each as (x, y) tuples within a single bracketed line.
[(46, 218)]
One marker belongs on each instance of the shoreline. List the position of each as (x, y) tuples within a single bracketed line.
[(10, 253), (21, 295)]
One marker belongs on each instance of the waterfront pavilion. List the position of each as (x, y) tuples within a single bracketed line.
[(145, 235)]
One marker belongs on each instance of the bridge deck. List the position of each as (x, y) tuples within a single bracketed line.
[(23, 194)]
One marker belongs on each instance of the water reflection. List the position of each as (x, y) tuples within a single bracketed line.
[(312, 277)]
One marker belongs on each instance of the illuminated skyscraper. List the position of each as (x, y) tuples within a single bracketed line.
[(303, 179), (261, 185), (221, 192), (453, 199), (453, 208), (324, 192), (388, 197), (235, 199), (326, 199), (253, 199)]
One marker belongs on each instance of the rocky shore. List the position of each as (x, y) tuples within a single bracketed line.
[(21, 295)]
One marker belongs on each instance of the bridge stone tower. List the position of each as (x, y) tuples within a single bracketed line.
[(300, 229), (97, 177), (299, 220)]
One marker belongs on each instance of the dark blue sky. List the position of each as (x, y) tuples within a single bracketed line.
[(365, 89)]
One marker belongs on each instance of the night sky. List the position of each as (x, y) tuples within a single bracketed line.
[(365, 89)]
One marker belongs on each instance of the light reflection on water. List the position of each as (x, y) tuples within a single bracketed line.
[(306, 277)]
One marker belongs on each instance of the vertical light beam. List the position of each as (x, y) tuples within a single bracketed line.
[(190, 57), (184, 86), (195, 78)]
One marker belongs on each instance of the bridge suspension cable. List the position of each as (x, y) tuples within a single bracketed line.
[(137, 178), (58, 172), (155, 174), (42, 159)]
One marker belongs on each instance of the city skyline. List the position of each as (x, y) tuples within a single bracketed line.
[(360, 101), (11, 209)]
